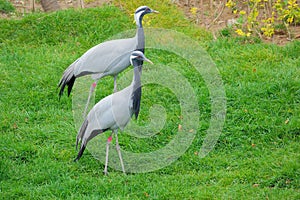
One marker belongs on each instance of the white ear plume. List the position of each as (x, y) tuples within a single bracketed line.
[(131, 58), (137, 17)]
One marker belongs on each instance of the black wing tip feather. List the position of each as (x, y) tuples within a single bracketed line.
[(85, 140), (136, 115), (62, 84), (61, 91), (70, 84), (137, 101), (80, 153)]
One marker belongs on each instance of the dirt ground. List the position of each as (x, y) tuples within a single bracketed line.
[(214, 17)]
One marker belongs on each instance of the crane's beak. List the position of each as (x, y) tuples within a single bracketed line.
[(155, 11), (149, 61)]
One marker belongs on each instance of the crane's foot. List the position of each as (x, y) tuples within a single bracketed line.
[(105, 173)]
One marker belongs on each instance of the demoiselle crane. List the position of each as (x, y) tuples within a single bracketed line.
[(108, 58), (114, 111)]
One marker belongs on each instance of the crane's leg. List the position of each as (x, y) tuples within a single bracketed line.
[(109, 139), (119, 152), (115, 83), (92, 89)]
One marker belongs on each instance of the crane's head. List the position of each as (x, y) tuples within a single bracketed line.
[(137, 57), (140, 12)]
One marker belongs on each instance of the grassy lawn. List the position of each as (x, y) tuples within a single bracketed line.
[(256, 157)]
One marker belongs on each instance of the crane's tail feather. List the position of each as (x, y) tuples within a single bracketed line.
[(68, 79), (84, 138)]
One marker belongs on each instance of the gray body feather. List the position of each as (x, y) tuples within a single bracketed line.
[(114, 111), (108, 58), (110, 113)]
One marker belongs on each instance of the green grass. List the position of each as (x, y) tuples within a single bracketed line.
[(256, 157), (6, 6)]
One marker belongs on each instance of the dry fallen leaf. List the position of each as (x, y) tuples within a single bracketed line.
[(146, 194), (287, 121), (179, 127), (15, 126)]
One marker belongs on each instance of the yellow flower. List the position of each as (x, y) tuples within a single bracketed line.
[(235, 11), (268, 31), (193, 10), (230, 4), (292, 3), (290, 19), (240, 32), (242, 12), (269, 20)]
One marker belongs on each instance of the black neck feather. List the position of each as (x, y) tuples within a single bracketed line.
[(140, 39), (137, 88)]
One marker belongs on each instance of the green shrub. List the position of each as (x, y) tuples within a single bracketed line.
[(6, 6)]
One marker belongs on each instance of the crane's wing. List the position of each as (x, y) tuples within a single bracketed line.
[(112, 112), (116, 66), (101, 57), (84, 136)]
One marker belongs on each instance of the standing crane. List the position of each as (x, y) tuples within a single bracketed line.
[(114, 111), (108, 58)]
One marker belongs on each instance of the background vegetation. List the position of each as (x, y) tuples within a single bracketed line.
[(6, 6), (263, 17), (257, 155)]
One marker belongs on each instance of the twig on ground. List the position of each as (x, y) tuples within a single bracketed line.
[(219, 15)]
